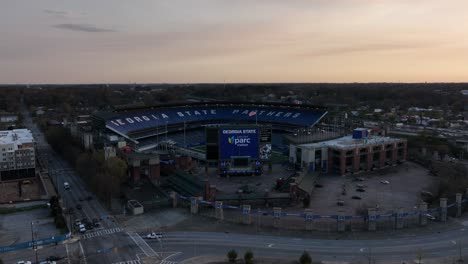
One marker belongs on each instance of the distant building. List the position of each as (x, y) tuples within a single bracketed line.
[(350, 154), (464, 92), (6, 117), (17, 155)]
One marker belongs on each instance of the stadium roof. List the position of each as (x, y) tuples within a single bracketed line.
[(129, 122)]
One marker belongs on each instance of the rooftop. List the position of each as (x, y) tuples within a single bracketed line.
[(348, 142), (18, 136)]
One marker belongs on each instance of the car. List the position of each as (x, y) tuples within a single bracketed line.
[(360, 190), (23, 262), (385, 182), (340, 202), (82, 228), (47, 262), (356, 197), (53, 258), (77, 222), (96, 222), (80, 199), (89, 226), (66, 185), (154, 235), (430, 217), (78, 206)]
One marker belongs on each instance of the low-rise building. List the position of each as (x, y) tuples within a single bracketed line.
[(350, 154)]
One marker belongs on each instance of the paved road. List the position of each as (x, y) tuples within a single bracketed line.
[(184, 245)]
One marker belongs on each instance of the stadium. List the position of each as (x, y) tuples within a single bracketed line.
[(196, 129), (283, 149)]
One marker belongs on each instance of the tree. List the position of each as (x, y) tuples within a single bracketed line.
[(232, 255), (248, 257), (1, 261), (305, 258)]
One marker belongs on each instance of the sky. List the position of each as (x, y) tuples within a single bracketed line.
[(195, 41)]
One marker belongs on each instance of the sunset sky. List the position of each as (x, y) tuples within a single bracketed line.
[(181, 41)]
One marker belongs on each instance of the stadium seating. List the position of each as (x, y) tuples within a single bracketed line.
[(128, 122)]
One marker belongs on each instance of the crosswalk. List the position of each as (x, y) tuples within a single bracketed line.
[(137, 261), (101, 233), (168, 262)]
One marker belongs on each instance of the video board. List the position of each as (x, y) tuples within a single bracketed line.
[(239, 141)]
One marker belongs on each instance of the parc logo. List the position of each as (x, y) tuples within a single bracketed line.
[(239, 141)]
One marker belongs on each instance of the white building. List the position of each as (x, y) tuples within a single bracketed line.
[(17, 154)]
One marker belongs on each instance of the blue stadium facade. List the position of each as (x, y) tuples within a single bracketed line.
[(140, 123)]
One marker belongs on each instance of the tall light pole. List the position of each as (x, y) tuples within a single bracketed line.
[(185, 145), (34, 247)]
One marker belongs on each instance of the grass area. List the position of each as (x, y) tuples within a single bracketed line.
[(22, 209), (278, 157)]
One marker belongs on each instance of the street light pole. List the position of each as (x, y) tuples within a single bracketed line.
[(34, 242)]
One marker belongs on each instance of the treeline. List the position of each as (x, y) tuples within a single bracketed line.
[(104, 177)]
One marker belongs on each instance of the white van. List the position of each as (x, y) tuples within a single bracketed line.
[(66, 185)]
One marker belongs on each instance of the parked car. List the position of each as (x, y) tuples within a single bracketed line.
[(430, 217), (385, 182), (82, 228), (154, 235), (66, 185), (23, 262), (52, 258), (96, 222)]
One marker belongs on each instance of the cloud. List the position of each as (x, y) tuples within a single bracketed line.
[(375, 47), (59, 13), (83, 28)]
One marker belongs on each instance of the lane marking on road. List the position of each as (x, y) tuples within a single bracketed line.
[(68, 255), (362, 249), (102, 233), (270, 245), (453, 242), (82, 251), (136, 261), (166, 261), (142, 245)]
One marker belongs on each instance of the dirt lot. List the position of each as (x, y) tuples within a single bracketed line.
[(403, 190), (9, 191)]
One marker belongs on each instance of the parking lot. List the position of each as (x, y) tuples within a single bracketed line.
[(386, 189), (18, 227)]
